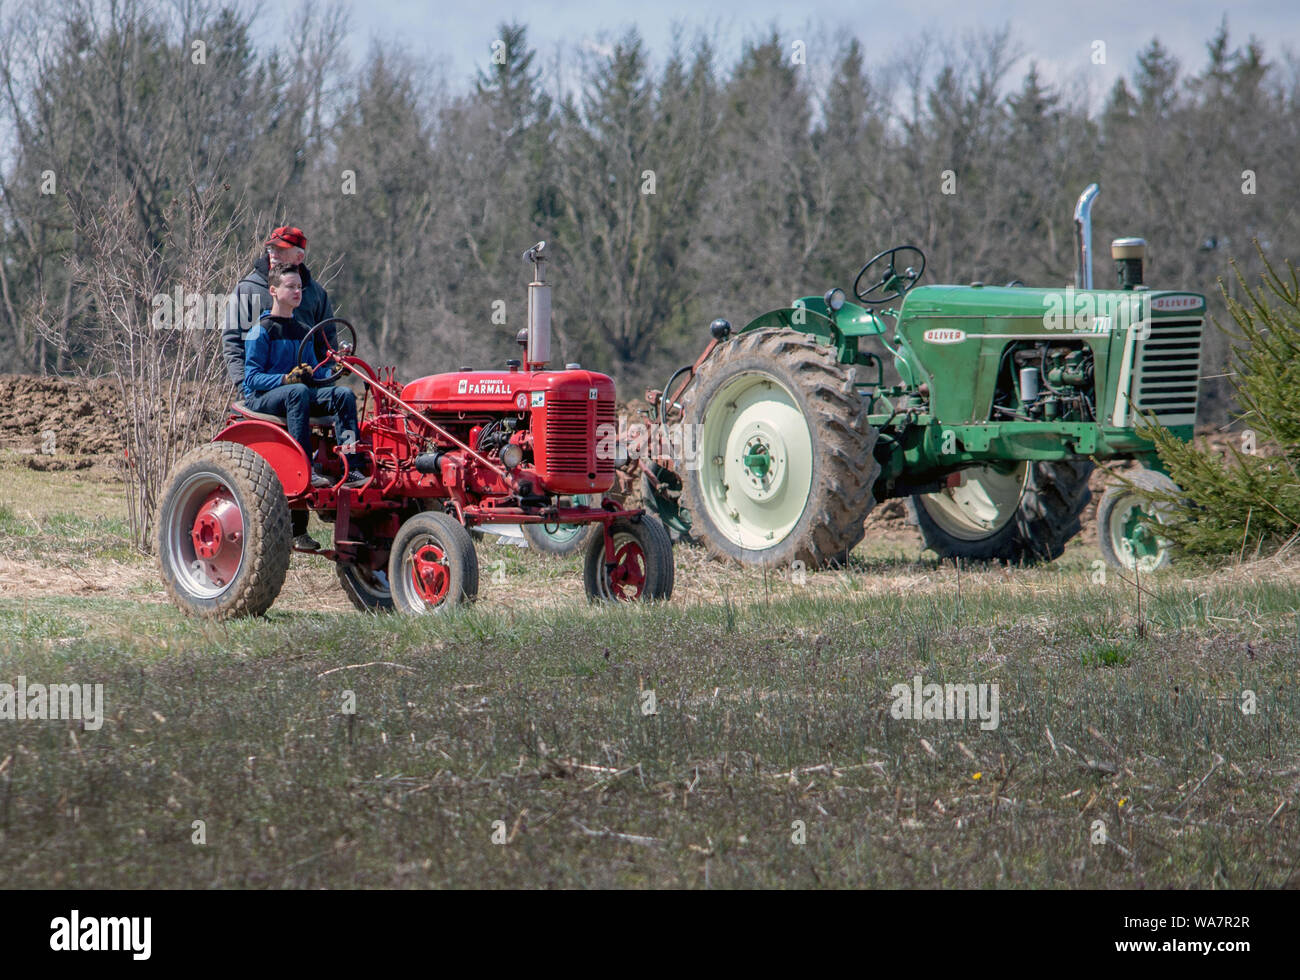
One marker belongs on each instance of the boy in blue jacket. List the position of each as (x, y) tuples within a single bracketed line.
[(276, 384)]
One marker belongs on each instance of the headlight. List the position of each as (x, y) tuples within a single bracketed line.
[(834, 299), (511, 456)]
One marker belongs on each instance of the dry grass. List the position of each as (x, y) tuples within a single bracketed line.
[(773, 706)]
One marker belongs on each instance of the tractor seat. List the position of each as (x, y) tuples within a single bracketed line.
[(277, 419)]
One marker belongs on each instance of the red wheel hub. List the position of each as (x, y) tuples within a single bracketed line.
[(627, 579), (218, 536), (429, 574)]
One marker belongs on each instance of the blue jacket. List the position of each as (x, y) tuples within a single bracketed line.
[(271, 352)]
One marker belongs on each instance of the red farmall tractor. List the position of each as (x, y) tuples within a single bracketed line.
[(446, 453)]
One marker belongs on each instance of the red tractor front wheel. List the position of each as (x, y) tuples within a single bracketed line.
[(432, 565), (223, 532), (643, 562)]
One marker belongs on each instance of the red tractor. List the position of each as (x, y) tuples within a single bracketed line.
[(446, 453)]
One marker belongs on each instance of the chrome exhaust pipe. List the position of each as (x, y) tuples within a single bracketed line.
[(539, 310), (1083, 236)]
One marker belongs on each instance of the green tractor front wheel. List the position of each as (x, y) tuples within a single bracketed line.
[(1126, 523)]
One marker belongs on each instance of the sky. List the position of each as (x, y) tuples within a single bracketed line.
[(455, 38)]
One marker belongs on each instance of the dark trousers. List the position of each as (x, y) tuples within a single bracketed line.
[(295, 403)]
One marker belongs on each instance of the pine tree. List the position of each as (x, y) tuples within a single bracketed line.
[(1249, 501), (1157, 79)]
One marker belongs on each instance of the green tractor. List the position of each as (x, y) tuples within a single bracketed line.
[(1004, 397)]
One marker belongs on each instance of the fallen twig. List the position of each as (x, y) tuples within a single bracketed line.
[(373, 663), (630, 838), (1218, 761)]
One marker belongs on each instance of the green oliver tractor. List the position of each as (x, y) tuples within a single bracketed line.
[(1005, 396)]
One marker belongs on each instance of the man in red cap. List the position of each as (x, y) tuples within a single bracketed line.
[(285, 246)]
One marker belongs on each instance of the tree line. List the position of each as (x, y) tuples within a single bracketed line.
[(674, 186)]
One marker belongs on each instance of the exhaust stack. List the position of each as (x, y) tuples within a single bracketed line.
[(539, 310), (1083, 236)]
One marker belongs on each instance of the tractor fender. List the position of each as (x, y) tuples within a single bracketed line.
[(277, 447), (796, 318)]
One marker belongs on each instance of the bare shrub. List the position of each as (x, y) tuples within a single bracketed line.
[(157, 303)]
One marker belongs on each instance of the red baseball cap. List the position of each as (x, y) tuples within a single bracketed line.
[(286, 236)]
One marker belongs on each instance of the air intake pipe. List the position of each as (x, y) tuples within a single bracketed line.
[(1128, 254)]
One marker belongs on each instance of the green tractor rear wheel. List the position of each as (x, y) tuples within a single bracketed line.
[(1022, 513), (785, 466), (1124, 524)]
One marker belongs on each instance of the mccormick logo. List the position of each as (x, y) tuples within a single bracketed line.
[(488, 386), (944, 335), (1176, 303)]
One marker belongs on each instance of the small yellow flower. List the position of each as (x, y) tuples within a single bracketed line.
[(977, 775), (1123, 801)]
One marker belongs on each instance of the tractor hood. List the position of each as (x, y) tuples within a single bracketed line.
[(505, 391), (1015, 301)]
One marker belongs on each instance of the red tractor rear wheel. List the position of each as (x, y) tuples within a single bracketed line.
[(643, 562), (366, 588), (223, 532), (432, 565)]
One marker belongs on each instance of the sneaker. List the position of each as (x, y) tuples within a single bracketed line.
[(306, 542), (355, 480), (320, 481)]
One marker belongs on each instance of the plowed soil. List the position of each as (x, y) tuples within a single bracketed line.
[(59, 417)]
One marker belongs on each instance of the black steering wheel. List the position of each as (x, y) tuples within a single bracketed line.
[(316, 335), (893, 283)]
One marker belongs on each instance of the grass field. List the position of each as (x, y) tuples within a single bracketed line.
[(772, 758)]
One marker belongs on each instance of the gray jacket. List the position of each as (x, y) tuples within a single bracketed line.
[(247, 303)]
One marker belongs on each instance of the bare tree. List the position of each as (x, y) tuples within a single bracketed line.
[(158, 308)]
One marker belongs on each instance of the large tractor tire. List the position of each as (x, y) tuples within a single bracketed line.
[(1021, 514), (785, 467), (1124, 519), (223, 532)]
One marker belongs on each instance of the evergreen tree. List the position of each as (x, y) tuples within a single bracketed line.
[(1249, 501)]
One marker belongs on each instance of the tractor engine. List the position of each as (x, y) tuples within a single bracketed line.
[(543, 427), (1051, 382)]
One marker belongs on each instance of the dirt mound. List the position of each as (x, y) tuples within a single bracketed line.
[(59, 417), (889, 516)]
